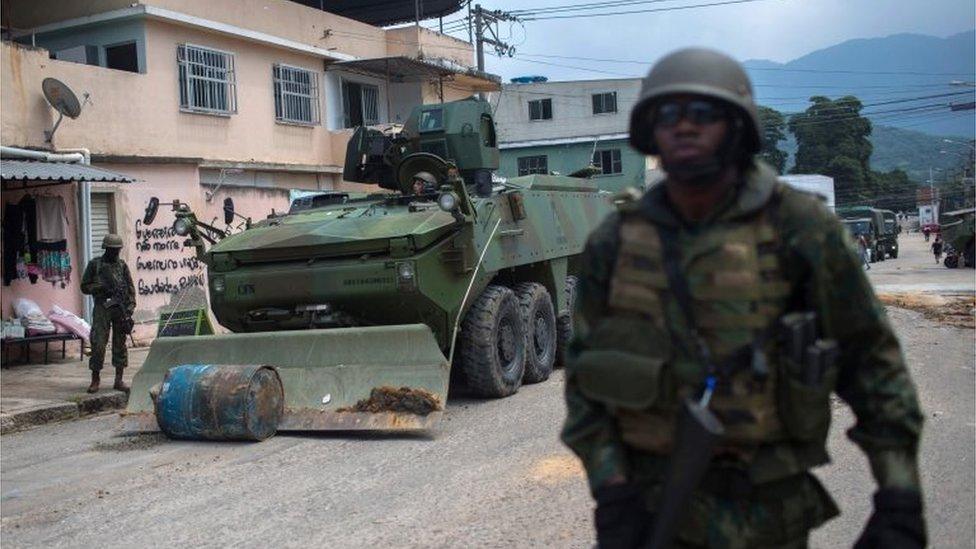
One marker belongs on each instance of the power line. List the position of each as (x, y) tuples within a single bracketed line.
[(779, 69), (633, 12)]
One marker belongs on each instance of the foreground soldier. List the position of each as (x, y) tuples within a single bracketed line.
[(723, 293), (107, 279)]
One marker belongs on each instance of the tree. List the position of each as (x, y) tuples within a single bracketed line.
[(773, 130), (832, 139), (892, 190)]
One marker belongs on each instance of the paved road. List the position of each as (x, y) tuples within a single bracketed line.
[(492, 475)]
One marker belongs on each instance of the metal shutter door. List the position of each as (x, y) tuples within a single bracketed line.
[(101, 220)]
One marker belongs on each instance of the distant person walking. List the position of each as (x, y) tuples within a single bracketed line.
[(862, 245), (926, 231), (937, 248)]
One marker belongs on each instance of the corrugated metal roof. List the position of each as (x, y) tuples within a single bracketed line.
[(30, 170)]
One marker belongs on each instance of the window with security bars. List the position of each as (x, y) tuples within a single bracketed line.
[(608, 161), (296, 95), (528, 165), (540, 109), (207, 80), (604, 103), (360, 104)]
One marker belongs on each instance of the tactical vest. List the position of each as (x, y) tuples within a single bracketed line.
[(640, 360)]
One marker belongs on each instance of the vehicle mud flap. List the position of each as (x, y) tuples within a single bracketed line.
[(374, 378)]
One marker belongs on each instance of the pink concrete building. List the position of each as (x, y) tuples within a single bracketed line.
[(199, 101)]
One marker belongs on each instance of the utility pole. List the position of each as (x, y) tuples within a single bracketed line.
[(487, 20)]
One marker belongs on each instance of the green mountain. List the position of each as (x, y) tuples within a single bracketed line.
[(915, 152), (903, 80), (909, 150)]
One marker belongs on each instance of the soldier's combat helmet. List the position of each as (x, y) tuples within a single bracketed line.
[(111, 241), (426, 177), (429, 181), (696, 71)]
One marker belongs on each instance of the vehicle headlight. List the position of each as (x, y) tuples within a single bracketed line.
[(447, 202), (181, 226), (218, 284), (406, 276), (405, 270)]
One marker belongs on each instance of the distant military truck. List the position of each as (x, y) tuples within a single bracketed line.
[(891, 231), (881, 241), (864, 227)]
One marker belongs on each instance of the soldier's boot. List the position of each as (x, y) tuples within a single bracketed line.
[(96, 379), (119, 385)]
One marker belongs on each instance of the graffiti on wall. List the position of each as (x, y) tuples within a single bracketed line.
[(161, 264)]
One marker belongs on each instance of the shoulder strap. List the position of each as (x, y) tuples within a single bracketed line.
[(678, 283)]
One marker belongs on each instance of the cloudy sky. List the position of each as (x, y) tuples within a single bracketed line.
[(779, 30)]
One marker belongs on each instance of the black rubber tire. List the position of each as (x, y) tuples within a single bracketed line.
[(492, 344), (894, 254), (951, 261), (969, 256), (564, 323), (539, 319)]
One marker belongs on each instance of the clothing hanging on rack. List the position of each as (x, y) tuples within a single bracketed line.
[(54, 262), (52, 218)]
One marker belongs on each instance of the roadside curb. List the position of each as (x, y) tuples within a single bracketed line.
[(48, 411)]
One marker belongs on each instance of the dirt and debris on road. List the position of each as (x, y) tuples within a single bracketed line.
[(391, 399), (954, 310), (141, 441)]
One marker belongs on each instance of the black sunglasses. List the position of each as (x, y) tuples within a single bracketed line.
[(670, 113)]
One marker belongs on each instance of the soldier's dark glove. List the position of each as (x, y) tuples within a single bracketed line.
[(897, 522), (128, 324), (621, 517)]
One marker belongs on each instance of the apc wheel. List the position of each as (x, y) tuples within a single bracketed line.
[(564, 324), (951, 261), (540, 327), (493, 344)]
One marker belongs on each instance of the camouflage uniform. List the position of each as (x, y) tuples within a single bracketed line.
[(103, 280), (634, 359)]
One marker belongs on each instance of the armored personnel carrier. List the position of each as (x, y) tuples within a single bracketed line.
[(369, 307)]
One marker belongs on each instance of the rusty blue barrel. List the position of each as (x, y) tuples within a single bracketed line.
[(220, 402)]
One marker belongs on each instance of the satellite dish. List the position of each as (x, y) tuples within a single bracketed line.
[(60, 96), (228, 210), (151, 211)]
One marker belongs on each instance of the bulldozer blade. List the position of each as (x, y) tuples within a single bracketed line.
[(331, 377)]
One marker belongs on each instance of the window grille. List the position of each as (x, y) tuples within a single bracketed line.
[(207, 80), (608, 161), (296, 95), (604, 102), (528, 165), (371, 112), (540, 109)]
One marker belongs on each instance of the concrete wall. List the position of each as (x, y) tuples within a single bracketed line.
[(566, 159), (413, 41), (108, 34), (139, 114), (572, 109), (280, 18)]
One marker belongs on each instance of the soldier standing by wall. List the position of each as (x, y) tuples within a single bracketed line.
[(716, 315), (107, 279)]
